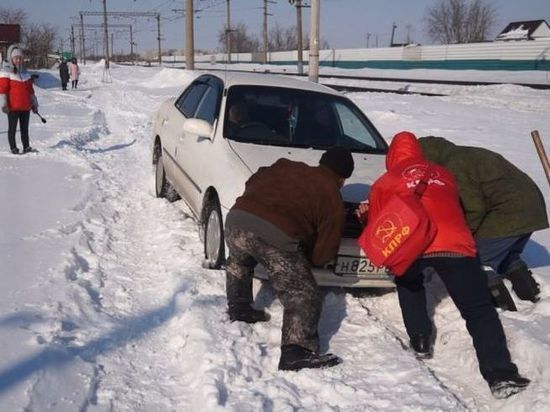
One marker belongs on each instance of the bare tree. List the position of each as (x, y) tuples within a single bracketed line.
[(481, 17), (283, 39), (241, 41), (12, 16), (39, 41), (280, 39), (459, 21)]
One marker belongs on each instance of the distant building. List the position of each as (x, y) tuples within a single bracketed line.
[(9, 34), (525, 30)]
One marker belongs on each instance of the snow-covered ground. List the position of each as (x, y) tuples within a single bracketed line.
[(104, 305)]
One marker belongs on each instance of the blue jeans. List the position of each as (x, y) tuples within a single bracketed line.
[(503, 254), (467, 287)]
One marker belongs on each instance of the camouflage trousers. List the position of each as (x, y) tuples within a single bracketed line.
[(291, 277)]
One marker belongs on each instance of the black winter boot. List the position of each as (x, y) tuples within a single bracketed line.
[(294, 358), (500, 296), (523, 284), (505, 387), (422, 345), (245, 313)]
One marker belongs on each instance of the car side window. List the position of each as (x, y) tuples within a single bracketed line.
[(190, 99), (208, 105), (353, 128)]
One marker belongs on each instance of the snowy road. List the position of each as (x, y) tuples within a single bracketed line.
[(104, 305)]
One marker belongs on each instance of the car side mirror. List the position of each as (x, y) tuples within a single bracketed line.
[(198, 127)]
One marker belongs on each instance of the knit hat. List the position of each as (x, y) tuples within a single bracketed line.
[(16, 52), (339, 160)]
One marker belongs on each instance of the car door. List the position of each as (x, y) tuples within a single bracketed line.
[(192, 151), (183, 108)]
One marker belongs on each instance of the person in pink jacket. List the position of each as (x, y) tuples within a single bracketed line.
[(74, 72), (17, 98)]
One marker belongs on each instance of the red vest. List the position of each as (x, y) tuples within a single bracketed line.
[(406, 165)]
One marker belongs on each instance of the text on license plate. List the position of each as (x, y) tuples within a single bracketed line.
[(346, 265)]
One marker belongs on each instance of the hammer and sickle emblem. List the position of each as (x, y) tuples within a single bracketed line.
[(385, 230)]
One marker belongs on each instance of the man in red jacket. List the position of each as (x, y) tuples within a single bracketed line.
[(17, 98), (452, 254)]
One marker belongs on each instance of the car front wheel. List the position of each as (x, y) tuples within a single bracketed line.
[(214, 248)]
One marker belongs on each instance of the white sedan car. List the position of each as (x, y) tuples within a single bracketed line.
[(209, 140)]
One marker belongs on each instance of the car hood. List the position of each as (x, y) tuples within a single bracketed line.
[(368, 167)]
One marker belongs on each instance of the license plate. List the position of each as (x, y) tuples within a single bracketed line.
[(360, 266)]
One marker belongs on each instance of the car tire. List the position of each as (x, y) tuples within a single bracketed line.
[(163, 188), (214, 244)]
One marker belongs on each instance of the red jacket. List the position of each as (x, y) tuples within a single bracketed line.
[(17, 90), (406, 165)]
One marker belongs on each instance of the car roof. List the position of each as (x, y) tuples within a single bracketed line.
[(271, 80)]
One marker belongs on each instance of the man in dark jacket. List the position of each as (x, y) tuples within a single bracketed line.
[(64, 73), (503, 207), (289, 218)]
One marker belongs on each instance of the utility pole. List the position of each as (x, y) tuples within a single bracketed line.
[(265, 29), (112, 45), (265, 32), (392, 34), (409, 29), (368, 38), (314, 40), (299, 36), (228, 33), (106, 34), (158, 37), (189, 40), (73, 51), (131, 45), (83, 49)]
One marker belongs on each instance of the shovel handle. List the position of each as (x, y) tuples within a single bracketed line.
[(542, 153), (41, 118)]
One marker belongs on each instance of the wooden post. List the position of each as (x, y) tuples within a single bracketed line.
[(542, 153)]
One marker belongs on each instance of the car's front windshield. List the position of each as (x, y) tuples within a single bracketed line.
[(297, 118)]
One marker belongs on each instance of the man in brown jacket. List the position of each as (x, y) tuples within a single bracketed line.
[(289, 218)]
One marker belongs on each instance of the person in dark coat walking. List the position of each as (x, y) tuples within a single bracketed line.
[(64, 73), (452, 255), (289, 218), (503, 207)]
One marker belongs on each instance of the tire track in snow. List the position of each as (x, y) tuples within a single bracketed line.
[(386, 325), (459, 374)]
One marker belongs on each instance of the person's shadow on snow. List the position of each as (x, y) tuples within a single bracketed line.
[(332, 315)]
